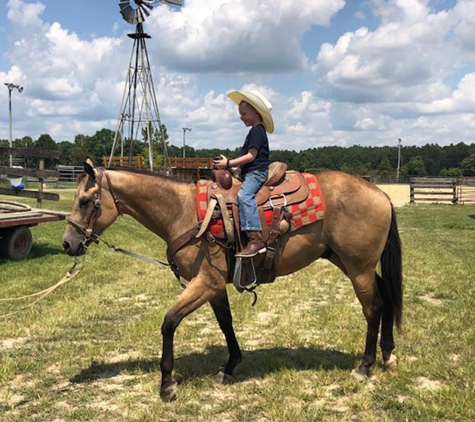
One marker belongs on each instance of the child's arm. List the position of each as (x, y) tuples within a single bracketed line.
[(224, 162)]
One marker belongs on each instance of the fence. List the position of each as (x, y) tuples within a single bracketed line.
[(466, 190), (190, 169), (69, 173), (136, 161), (433, 189), (21, 173), (191, 162)]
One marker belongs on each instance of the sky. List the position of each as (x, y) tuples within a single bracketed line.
[(338, 73)]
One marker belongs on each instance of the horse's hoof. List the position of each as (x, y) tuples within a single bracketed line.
[(168, 393), (391, 363), (223, 378), (358, 375)]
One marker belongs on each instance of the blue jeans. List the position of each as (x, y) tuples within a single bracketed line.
[(248, 213)]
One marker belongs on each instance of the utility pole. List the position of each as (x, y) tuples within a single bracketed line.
[(11, 87), (184, 142), (398, 160)]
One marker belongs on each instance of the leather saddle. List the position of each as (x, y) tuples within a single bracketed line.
[(283, 187)]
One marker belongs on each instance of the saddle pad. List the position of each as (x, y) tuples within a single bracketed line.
[(305, 212), (310, 210)]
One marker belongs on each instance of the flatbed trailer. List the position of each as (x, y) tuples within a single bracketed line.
[(16, 219)]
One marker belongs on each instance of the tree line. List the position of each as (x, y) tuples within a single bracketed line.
[(452, 160)]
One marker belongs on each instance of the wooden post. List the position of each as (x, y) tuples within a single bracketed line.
[(39, 201)]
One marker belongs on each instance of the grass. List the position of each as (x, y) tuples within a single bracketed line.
[(91, 351)]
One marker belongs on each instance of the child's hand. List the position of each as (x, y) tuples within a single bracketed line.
[(220, 162)]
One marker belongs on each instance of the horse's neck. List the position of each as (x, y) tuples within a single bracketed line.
[(166, 207)]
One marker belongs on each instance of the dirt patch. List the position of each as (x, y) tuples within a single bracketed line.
[(10, 343), (398, 193), (423, 383)]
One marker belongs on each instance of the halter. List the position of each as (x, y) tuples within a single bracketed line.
[(86, 226)]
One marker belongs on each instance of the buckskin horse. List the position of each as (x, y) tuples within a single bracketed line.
[(358, 232)]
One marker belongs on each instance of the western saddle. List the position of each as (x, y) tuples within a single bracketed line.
[(283, 187)]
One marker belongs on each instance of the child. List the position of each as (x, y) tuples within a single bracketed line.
[(254, 110)]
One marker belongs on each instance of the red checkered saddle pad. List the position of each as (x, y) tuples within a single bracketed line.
[(304, 209)]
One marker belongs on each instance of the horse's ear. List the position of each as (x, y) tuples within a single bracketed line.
[(89, 168)]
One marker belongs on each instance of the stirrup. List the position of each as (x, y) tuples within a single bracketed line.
[(251, 278)]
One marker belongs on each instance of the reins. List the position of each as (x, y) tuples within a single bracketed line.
[(86, 227)]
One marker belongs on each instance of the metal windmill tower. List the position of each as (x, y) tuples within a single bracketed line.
[(139, 116)]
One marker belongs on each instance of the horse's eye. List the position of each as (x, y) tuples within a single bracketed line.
[(84, 202)]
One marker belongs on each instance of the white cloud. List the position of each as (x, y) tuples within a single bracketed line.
[(401, 71), (231, 36)]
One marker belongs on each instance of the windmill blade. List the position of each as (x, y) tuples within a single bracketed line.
[(135, 16), (175, 2), (128, 14), (148, 5)]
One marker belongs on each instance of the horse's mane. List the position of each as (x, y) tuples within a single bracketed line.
[(145, 172), (148, 172)]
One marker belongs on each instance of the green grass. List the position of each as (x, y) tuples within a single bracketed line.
[(91, 351)]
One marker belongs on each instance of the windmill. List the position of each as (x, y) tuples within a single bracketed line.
[(139, 116)]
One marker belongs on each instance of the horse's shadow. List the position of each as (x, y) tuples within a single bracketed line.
[(255, 364)]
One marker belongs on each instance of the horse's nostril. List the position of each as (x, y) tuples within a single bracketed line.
[(66, 246)]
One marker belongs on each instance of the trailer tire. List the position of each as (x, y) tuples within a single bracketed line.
[(16, 243)]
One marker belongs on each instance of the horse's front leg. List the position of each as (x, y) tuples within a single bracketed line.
[(196, 294), (222, 310)]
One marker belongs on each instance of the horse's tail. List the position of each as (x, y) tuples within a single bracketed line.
[(391, 271)]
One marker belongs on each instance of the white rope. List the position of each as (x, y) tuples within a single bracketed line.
[(42, 294)]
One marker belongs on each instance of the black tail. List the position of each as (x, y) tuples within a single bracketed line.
[(391, 271)]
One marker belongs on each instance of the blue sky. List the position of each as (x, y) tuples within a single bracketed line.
[(337, 72)]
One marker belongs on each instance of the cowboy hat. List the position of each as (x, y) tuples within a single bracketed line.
[(259, 102)]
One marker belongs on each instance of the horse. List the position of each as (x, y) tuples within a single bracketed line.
[(358, 233)]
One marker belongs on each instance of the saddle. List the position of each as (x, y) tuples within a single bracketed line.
[(282, 189)]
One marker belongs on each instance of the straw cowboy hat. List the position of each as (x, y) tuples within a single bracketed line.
[(259, 102)]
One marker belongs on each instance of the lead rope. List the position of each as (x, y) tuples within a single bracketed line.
[(46, 292)]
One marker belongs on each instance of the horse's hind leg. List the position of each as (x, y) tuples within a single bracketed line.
[(367, 292), (222, 310)]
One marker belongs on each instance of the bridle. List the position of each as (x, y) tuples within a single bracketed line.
[(86, 226)]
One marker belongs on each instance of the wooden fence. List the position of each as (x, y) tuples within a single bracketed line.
[(191, 162), (136, 162), (190, 169), (466, 190), (41, 174), (433, 189)]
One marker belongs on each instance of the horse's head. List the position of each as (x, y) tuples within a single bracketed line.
[(94, 209)]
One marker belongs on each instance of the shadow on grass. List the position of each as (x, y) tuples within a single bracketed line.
[(255, 364), (40, 251)]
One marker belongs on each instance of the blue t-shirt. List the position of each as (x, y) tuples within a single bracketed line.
[(256, 138)]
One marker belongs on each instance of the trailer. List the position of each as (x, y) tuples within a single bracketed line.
[(16, 219)]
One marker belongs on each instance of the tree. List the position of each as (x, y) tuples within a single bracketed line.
[(415, 167), (451, 172), (46, 142), (385, 168), (468, 165)]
